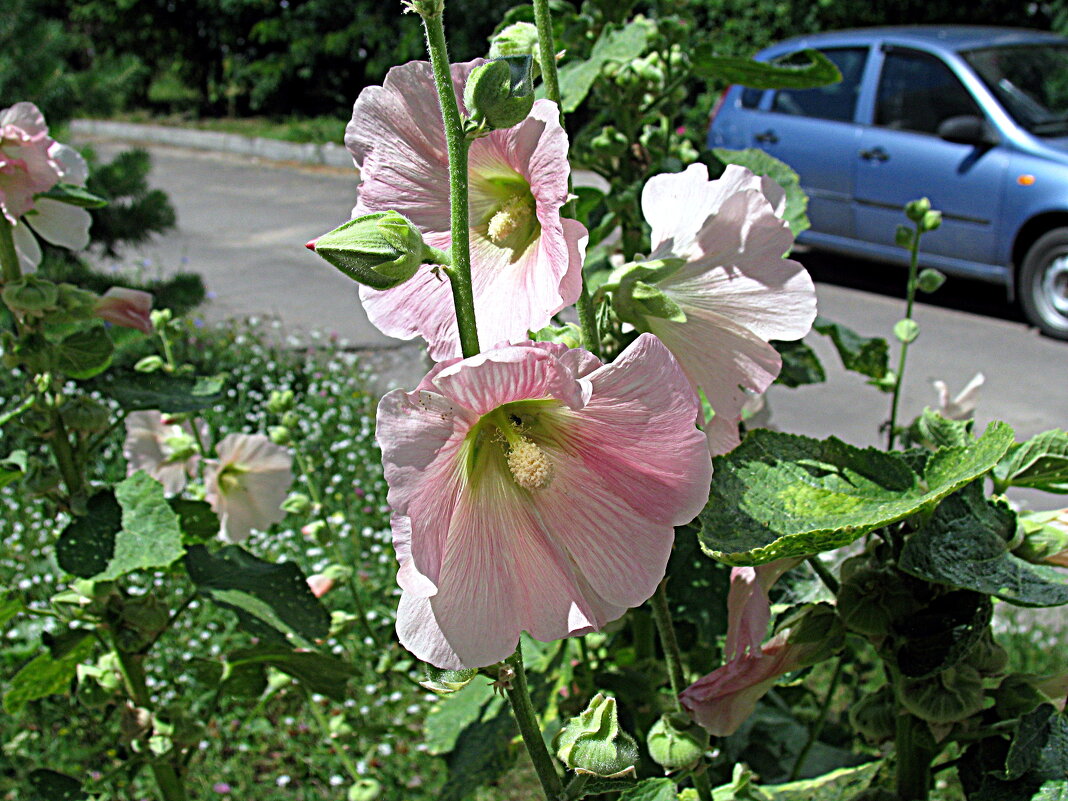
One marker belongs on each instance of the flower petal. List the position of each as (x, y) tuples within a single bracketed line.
[(27, 247), (61, 223)]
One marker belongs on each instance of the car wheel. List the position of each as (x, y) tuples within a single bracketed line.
[(1043, 283)]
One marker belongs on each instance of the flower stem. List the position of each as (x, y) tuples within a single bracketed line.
[(523, 709), (910, 293), (456, 141), (824, 574), (64, 456), (167, 778), (9, 257), (913, 780), (591, 336), (673, 656)]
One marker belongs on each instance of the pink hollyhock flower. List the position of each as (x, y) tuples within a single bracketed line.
[(748, 605), (320, 584), (526, 260), (126, 307), (164, 448), (963, 406), (736, 290), (535, 489), (32, 162), (247, 484)]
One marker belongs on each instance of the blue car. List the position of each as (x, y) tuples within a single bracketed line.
[(974, 118)]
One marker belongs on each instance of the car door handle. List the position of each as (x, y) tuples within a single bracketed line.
[(767, 136), (876, 153)]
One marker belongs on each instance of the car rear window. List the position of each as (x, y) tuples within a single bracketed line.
[(837, 101)]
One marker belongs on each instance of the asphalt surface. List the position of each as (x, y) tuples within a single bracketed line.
[(242, 224)]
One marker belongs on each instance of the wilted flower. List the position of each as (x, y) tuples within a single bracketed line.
[(164, 448), (526, 260), (320, 584), (126, 307), (748, 605), (963, 406), (32, 162), (534, 488), (724, 285), (247, 484)]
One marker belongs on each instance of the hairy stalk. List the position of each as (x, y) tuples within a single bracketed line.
[(525, 717), (59, 442), (825, 575), (673, 657), (9, 258), (914, 260), (456, 141), (913, 779), (591, 337), (167, 779)]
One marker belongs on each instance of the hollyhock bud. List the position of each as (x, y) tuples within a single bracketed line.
[(593, 743), (130, 308), (30, 296), (1045, 537), (517, 39), (675, 743), (85, 414), (500, 93), (380, 250)]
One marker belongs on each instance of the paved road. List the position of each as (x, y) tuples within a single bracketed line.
[(242, 225)]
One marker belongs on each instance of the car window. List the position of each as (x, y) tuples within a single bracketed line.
[(837, 101), (918, 92), (751, 97)]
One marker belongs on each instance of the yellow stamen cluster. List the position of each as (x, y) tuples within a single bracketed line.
[(530, 465), (513, 214)]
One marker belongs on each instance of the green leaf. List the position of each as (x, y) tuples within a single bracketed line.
[(1040, 745), (819, 71), (761, 163), (322, 674), (84, 353), (10, 606), (843, 784), (12, 467), (86, 545), (865, 355), (50, 785), (452, 714), (138, 391), (271, 600), (244, 680), (44, 676), (942, 635), (577, 78), (1056, 790), (800, 364), (482, 753), (935, 431), (651, 790), (965, 544), (697, 591), (74, 196), (779, 495), (1040, 463), (65, 641), (199, 524)]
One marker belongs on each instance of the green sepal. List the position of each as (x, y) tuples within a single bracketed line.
[(74, 196), (500, 93), (635, 296), (444, 682), (593, 743), (380, 250)]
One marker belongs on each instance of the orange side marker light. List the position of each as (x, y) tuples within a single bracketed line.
[(1025, 180)]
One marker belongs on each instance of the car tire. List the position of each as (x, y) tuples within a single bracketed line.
[(1043, 283)]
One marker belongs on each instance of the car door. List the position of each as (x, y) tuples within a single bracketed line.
[(901, 158), (814, 132)]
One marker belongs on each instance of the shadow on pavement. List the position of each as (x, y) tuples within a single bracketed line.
[(961, 294)]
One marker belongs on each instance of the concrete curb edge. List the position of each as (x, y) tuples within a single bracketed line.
[(330, 154)]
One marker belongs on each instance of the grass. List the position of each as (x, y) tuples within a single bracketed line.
[(317, 130)]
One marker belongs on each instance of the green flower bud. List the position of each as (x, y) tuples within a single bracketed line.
[(290, 420), (85, 414), (500, 93), (149, 364), (906, 330), (987, 656), (159, 318), (675, 742), (280, 435), (593, 743), (280, 402), (297, 503), (915, 209), (904, 236), (609, 142), (365, 790), (930, 280), (445, 682), (380, 250), (875, 715), (73, 304), (871, 600), (30, 296), (930, 221), (946, 697), (517, 39), (1016, 695)]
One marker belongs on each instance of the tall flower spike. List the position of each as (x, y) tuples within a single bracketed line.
[(732, 292), (535, 489), (32, 162), (526, 260)]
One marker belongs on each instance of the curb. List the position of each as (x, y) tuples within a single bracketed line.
[(330, 154)]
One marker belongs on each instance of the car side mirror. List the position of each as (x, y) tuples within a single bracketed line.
[(967, 129)]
